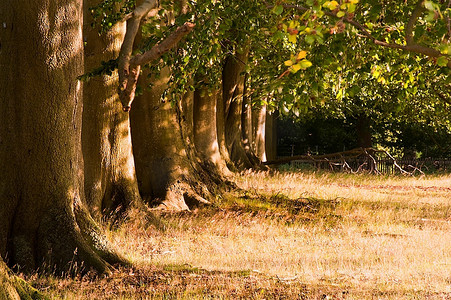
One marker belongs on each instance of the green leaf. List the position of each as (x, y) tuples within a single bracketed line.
[(296, 67), (278, 35), (292, 38), (445, 49), (278, 9), (429, 5), (309, 39), (341, 14), (305, 64), (332, 5), (430, 16), (442, 61), (340, 94)]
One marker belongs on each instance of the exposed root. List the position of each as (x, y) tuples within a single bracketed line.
[(66, 242), (92, 233), (15, 288), (180, 196), (193, 200), (343, 159)]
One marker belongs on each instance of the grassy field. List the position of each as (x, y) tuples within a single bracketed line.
[(288, 235)]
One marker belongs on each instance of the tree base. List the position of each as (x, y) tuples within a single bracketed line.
[(179, 196), (15, 288), (68, 242)]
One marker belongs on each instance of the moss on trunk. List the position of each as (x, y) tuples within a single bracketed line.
[(15, 288)]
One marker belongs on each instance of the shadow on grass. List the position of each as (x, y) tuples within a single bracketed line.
[(187, 282), (329, 212), (173, 282)]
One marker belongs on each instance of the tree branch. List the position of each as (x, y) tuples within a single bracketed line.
[(128, 85), (443, 97), (411, 46), (133, 23), (163, 47), (419, 9)]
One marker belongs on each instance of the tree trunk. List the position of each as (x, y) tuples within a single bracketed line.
[(221, 131), (363, 126), (14, 288), (165, 173), (246, 120), (43, 217), (233, 91), (205, 130), (271, 135), (8, 289), (259, 131), (110, 179)]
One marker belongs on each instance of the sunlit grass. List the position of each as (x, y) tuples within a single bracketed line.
[(348, 230), (358, 236)]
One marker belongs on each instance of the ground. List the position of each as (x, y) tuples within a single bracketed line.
[(288, 235)]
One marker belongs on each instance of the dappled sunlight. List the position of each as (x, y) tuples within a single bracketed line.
[(58, 35)]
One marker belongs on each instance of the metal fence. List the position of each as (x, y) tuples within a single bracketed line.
[(376, 164)]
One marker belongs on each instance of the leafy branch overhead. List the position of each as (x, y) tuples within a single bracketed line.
[(361, 52), (302, 53), (427, 15), (129, 66)]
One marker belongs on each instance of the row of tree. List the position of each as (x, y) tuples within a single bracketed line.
[(66, 146), (70, 151)]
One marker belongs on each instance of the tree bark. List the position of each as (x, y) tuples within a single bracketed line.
[(221, 130), (165, 173), (233, 92), (129, 68), (8, 289), (44, 221), (363, 127), (14, 288), (271, 135), (259, 131), (205, 130), (110, 179), (246, 120)]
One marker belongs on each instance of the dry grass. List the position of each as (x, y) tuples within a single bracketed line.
[(290, 235)]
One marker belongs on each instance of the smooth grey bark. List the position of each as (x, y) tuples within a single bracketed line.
[(363, 128), (233, 93), (246, 120), (221, 130)]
